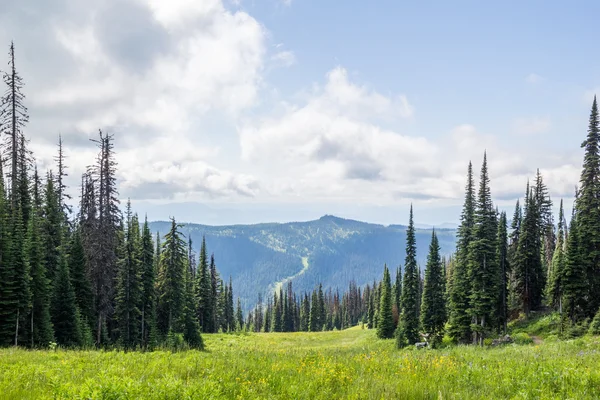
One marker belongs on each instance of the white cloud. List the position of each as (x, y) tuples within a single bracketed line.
[(532, 125), (150, 71)]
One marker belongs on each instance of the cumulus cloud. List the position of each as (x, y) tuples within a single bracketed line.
[(147, 70)]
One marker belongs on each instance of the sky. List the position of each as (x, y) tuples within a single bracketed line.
[(251, 111)]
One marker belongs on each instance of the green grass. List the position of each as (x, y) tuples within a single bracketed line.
[(351, 364)]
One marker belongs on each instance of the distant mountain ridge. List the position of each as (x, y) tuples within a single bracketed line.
[(330, 250)]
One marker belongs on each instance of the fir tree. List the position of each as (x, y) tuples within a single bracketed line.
[(171, 282), (41, 332), (433, 312), (239, 316), (588, 212), (129, 285), (80, 279), (502, 254), (460, 320), (204, 297), (408, 325), (191, 328), (385, 324), (148, 296), (65, 315), (483, 265), (554, 290), (573, 276)]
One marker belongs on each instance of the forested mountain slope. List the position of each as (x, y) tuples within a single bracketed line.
[(330, 250)]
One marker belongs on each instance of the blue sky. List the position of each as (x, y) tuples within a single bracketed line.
[(276, 110)]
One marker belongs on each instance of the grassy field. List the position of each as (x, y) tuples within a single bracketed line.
[(350, 364)]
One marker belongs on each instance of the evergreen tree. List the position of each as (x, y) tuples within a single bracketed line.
[(573, 276), (385, 324), (129, 285), (433, 311), (588, 212), (239, 316), (482, 261), (502, 253), (554, 289), (313, 324), (408, 325), (80, 280), (171, 282), (396, 295), (65, 315), (191, 328), (51, 227), (528, 263), (204, 296), (148, 295), (460, 320), (41, 331)]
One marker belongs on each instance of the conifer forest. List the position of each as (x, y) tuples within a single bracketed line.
[(86, 278)]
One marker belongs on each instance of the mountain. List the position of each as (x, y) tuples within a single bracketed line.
[(330, 250)]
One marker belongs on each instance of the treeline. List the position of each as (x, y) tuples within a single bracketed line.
[(97, 278), (500, 273), (288, 311)]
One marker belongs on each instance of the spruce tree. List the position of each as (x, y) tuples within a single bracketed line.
[(171, 282), (129, 284), (588, 212), (148, 296), (65, 315), (203, 293), (502, 254), (528, 263), (385, 324), (482, 261), (80, 279), (433, 312), (397, 295), (573, 276), (191, 327), (459, 318), (408, 325), (554, 288), (41, 332), (239, 316)]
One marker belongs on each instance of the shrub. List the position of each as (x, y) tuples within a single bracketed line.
[(487, 342), (577, 330), (522, 338), (595, 325)]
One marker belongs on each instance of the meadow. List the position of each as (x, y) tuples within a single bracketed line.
[(350, 364)]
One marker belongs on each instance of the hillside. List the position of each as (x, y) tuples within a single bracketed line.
[(330, 250)]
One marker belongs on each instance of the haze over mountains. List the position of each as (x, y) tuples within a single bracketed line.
[(330, 250)]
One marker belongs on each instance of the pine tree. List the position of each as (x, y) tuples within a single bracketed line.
[(171, 282), (459, 318), (482, 261), (433, 311), (408, 325), (65, 315), (588, 212), (385, 324)]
